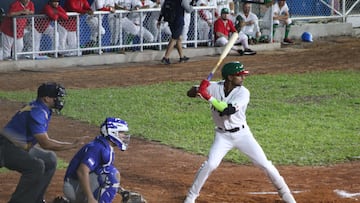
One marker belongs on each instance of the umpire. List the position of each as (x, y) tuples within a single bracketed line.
[(18, 149)]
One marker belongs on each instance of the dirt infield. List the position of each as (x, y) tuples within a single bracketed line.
[(164, 174)]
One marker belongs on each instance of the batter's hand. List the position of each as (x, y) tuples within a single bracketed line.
[(203, 89)]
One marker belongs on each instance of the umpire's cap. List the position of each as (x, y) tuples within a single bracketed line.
[(233, 68), (51, 89)]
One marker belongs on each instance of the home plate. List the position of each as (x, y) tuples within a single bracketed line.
[(272, 193), (344, 194)]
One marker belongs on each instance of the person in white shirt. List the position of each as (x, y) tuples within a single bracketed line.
[(118, 22), (281, 17), (251, 23)]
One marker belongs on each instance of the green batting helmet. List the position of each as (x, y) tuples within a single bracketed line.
[(233, 68)]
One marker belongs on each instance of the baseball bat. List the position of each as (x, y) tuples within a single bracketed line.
[(224, 53)]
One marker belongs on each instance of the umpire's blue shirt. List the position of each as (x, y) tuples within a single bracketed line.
[(95, 155), (30, 120)]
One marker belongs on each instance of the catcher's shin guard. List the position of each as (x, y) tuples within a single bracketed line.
[(108, 185)]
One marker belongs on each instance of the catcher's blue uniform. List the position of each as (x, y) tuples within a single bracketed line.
[(17, 141), (98, 156)]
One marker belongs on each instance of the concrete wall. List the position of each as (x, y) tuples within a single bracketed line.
[(317, 30)]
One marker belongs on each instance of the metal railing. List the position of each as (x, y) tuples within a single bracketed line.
[(136, 30)]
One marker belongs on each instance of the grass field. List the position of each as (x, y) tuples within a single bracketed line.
[(299, 119)]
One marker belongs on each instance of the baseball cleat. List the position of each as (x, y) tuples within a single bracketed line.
[(249, 52), (288, 41)]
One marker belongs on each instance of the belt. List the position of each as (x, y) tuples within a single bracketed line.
[(233, 130)]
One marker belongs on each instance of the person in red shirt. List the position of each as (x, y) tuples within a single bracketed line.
[(68, 28), (222, 29), (16, 9), (42, 25)]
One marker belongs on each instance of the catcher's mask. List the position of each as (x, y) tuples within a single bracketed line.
[(114, 130), (53, 90)]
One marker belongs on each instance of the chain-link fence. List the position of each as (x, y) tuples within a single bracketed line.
[(137, 30)]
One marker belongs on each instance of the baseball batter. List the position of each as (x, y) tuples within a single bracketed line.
[(229, 100)]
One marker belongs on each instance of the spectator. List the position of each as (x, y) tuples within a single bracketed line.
[(91, 175), (25, 144), (187, 19), (18, 9), (281, 16), (128, 26), (93, 21), (251, 27), (138, 21), (229, 4), (176, 28), (42, 25), (206, 19), (222, 29), (69, 28)]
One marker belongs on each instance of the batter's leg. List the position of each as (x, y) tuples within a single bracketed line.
[(247, 144), (218, 150)]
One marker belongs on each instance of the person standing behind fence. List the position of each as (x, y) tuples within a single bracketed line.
[(16, 9), (206, 19), (251, 27), (42, 25), (176, 26), (68, 28)]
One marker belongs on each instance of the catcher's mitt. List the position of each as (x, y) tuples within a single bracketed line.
[(60, 199), (132, 197)]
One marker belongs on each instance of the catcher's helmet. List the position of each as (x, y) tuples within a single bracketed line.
[(111, 128), (53, 90), (307, 37), (233, 68)]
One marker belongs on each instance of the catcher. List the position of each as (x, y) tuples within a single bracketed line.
[(91, 175)]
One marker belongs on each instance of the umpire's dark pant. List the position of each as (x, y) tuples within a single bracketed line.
[(36, 166)]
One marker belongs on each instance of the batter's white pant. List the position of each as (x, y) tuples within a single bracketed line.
[(67, 40), (49, 31), (245, 142), (243, 39), (8, 43)]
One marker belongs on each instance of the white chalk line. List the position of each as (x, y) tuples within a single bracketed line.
[(344, 194), (273, 193)]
